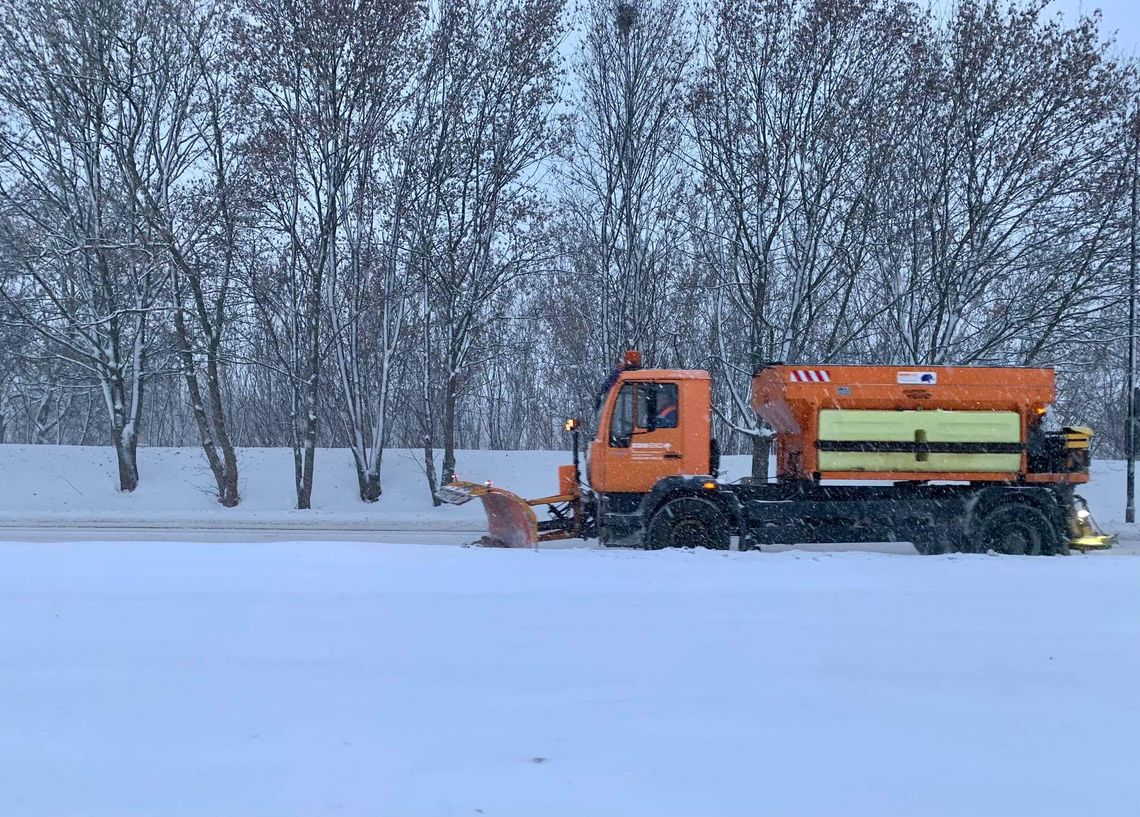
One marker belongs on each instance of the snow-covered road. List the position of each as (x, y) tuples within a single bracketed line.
[(343, 678), (220, 533), (93, 531)]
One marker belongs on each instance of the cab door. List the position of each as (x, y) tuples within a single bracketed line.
[(645, 441)]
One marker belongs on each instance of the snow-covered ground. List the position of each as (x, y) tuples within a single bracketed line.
[(369, 678), (76, 485), (341, 678)]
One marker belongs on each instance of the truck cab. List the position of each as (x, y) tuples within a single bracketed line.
[(654, 423)]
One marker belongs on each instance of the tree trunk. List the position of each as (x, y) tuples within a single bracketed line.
[(228, 483), (309, 449), (761, 449), (228, 487), (310, 392), (304, 446), (223, 467), (42, 426), (127, 455), (305, 478), (449, 431), (297, 470), (429, 470), (368, 480)]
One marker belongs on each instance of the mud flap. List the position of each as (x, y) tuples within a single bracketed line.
[(511, 522)]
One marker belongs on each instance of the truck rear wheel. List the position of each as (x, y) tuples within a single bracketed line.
[(1017, 529), (688, 521)]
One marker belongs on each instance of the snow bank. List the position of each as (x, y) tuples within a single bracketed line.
[(168, 679), (75, 485)]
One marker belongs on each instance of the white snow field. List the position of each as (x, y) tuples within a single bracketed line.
[(362, 678), (341, 678), (69, 492), (76, 485)]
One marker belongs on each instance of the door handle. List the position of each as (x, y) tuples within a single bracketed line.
[(672, 456)]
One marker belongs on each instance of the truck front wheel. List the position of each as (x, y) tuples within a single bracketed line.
[(1017, 529), (688, 521)]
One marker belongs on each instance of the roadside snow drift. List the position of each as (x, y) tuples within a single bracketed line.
[(74, 485), (170, 679)]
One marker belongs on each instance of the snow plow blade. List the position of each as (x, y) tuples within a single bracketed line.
[(511, 522)]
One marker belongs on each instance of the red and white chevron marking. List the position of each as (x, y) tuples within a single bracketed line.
[(810, 376)]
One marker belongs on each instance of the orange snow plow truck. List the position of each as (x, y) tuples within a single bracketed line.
[(950, 458)]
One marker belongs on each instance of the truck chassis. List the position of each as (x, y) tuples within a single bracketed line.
[(936, 518)]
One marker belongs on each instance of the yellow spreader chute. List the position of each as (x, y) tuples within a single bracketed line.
[(1084, 533), (1094, 541)]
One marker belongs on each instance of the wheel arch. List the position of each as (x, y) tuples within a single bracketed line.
[(1047, 500), (670, 488)]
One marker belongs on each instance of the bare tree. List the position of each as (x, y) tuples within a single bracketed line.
[(322, 80), (782, 107), (994, 155), (184, 186), (490, 92), (86, 277), (370, 287), (626, 174)]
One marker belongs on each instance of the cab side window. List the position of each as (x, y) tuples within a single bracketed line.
[(621, 425), (656, 405)]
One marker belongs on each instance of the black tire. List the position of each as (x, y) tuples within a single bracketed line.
[(605, 538), (688, 521), (1017, 529)]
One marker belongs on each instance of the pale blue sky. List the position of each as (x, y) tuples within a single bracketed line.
[(1123, 16)]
